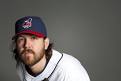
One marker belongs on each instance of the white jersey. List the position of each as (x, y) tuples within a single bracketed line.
[(61, 67)]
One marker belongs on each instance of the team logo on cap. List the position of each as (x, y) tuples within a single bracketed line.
[(27, 23)]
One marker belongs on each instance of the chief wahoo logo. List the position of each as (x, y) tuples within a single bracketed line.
[(27, 23)]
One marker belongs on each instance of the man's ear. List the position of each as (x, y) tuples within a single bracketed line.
[(47, 41)]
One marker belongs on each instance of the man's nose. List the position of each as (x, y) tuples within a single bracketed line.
[(27, 43)]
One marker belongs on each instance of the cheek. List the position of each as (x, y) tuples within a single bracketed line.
[(20, 44), (39, 47), (19, 47)]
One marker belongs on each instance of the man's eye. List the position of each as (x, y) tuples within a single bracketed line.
[(34, 37), (20, 39)]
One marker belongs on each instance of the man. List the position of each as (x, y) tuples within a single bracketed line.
[(36, 60)]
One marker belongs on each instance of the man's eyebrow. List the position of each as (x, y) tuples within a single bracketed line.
[(20, 36), (34, 35)]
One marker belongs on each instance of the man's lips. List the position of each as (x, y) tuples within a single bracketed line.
[(27, 54)]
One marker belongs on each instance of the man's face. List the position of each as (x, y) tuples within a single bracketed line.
[(31, 48)]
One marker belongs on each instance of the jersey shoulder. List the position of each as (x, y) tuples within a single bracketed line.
[(69, 61), (71, 69)]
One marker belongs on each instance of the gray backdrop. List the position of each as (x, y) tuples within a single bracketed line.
[(90, 30)]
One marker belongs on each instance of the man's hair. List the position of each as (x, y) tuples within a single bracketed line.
[(16, 56)]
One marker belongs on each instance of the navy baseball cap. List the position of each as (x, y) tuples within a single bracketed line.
[(30, 25)]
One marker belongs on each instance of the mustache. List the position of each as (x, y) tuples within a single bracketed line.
[(27, 51)]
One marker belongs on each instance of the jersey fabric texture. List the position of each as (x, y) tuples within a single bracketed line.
[(61, 67)]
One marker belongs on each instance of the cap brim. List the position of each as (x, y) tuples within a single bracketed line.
[(40, 35)]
